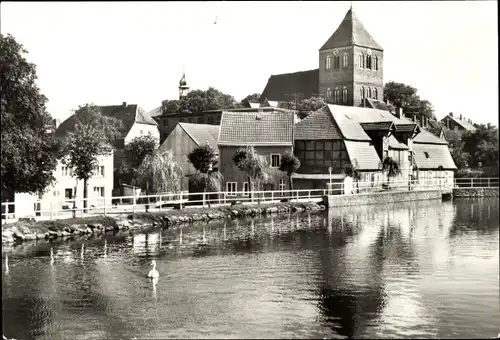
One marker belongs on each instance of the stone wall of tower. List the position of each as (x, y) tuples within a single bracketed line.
[(368, 78), (337, 77)]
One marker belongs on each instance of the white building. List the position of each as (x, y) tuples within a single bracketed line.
[(59, 196)]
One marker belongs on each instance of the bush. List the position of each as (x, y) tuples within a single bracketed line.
[(468, 173)]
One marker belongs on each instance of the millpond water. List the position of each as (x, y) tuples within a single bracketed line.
[(425, 269)]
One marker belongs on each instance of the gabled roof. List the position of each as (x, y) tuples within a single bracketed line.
[(127, 114), (256, 128), (463, 123), (202, 133), (395, 144), (281, 87), (433, 156), (318, 125), (364, 154), (351, 32)]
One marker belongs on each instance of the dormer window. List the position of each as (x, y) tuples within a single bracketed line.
[(328, 63)]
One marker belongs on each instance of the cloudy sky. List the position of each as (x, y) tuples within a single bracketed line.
[(108, 53)]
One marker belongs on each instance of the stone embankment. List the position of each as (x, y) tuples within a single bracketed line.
[(29, 230), (475, 192)]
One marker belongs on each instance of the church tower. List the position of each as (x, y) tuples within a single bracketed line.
[(183, 87), (351, 65)]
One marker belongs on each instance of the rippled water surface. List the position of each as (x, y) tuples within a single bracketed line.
[(414, 270)]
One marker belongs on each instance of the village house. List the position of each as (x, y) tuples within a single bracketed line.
[(185, 138), (269, 132), (336, 136)]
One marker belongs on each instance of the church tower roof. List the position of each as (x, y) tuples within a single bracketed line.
[(182, 82), (351, 32)]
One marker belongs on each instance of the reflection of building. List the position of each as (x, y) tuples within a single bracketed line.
[(184, 139)]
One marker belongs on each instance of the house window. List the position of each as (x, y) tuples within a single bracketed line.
[(346, 60), (375, 63), (68, 193), (321, 154), (369, 92), (426, 154), (375, 94), (328, 63), (361, 60), (210, 120), (275, 160), (99, 170), (67, 171), (336, 61), (282, 185), (363, 93), (344, 95), (99, 191), (246, 188), (231, 188), (336, 96)]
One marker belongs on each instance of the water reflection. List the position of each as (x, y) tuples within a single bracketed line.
[(416, 269)]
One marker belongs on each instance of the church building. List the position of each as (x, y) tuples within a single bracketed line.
[(350, 71)]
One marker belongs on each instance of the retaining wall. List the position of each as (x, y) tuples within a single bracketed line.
[(475, 192), (383, 197)]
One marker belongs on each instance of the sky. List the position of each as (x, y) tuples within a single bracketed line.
[(112, 52)]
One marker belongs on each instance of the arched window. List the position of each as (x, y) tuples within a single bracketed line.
[(344, 95), (375, 94), (369, 92), (328, 94), (336, 96), (361, 61), (375, 63), (346, 60), (328, 63), (363, 93), (336, 61), (369, 62)]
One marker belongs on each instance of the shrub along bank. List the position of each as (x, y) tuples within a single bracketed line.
[(30, 230)]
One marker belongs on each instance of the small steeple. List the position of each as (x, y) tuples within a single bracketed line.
[(183, 87)]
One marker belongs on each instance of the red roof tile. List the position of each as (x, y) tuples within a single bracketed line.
[(256, 128)]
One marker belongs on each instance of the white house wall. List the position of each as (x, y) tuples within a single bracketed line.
[(140, 129), (54, 197)]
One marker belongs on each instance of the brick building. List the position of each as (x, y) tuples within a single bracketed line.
[(350, 71)]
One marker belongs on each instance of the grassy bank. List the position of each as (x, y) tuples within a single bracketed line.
[(30, 230)]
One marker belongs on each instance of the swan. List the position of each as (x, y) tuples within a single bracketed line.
[(153, 273)]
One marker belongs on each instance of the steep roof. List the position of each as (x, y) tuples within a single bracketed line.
[(127, 114), (351, 32), (364, 154), (202, 133), (318, 125), (154, 112), (463, 123), (281, 87), (256, 128), (429, 156)]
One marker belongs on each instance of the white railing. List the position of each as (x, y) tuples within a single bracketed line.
[(479, 182), (61, 209)]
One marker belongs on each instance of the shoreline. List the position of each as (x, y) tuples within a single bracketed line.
[(26, 230)]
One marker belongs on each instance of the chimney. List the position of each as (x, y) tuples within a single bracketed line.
[(451, 114), (460, 116), (399, 112), (124, 104), (56, 122)]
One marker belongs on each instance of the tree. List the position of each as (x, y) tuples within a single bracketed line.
[(391, 166), (407, 97), (203, 158), (253, 165), (211, 99), (289, 164), (89, 139), (482, 146), (308, 105), (352, 170), (251, 98), (160, 172), (168, 106), (130, 158), (29, 151)]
